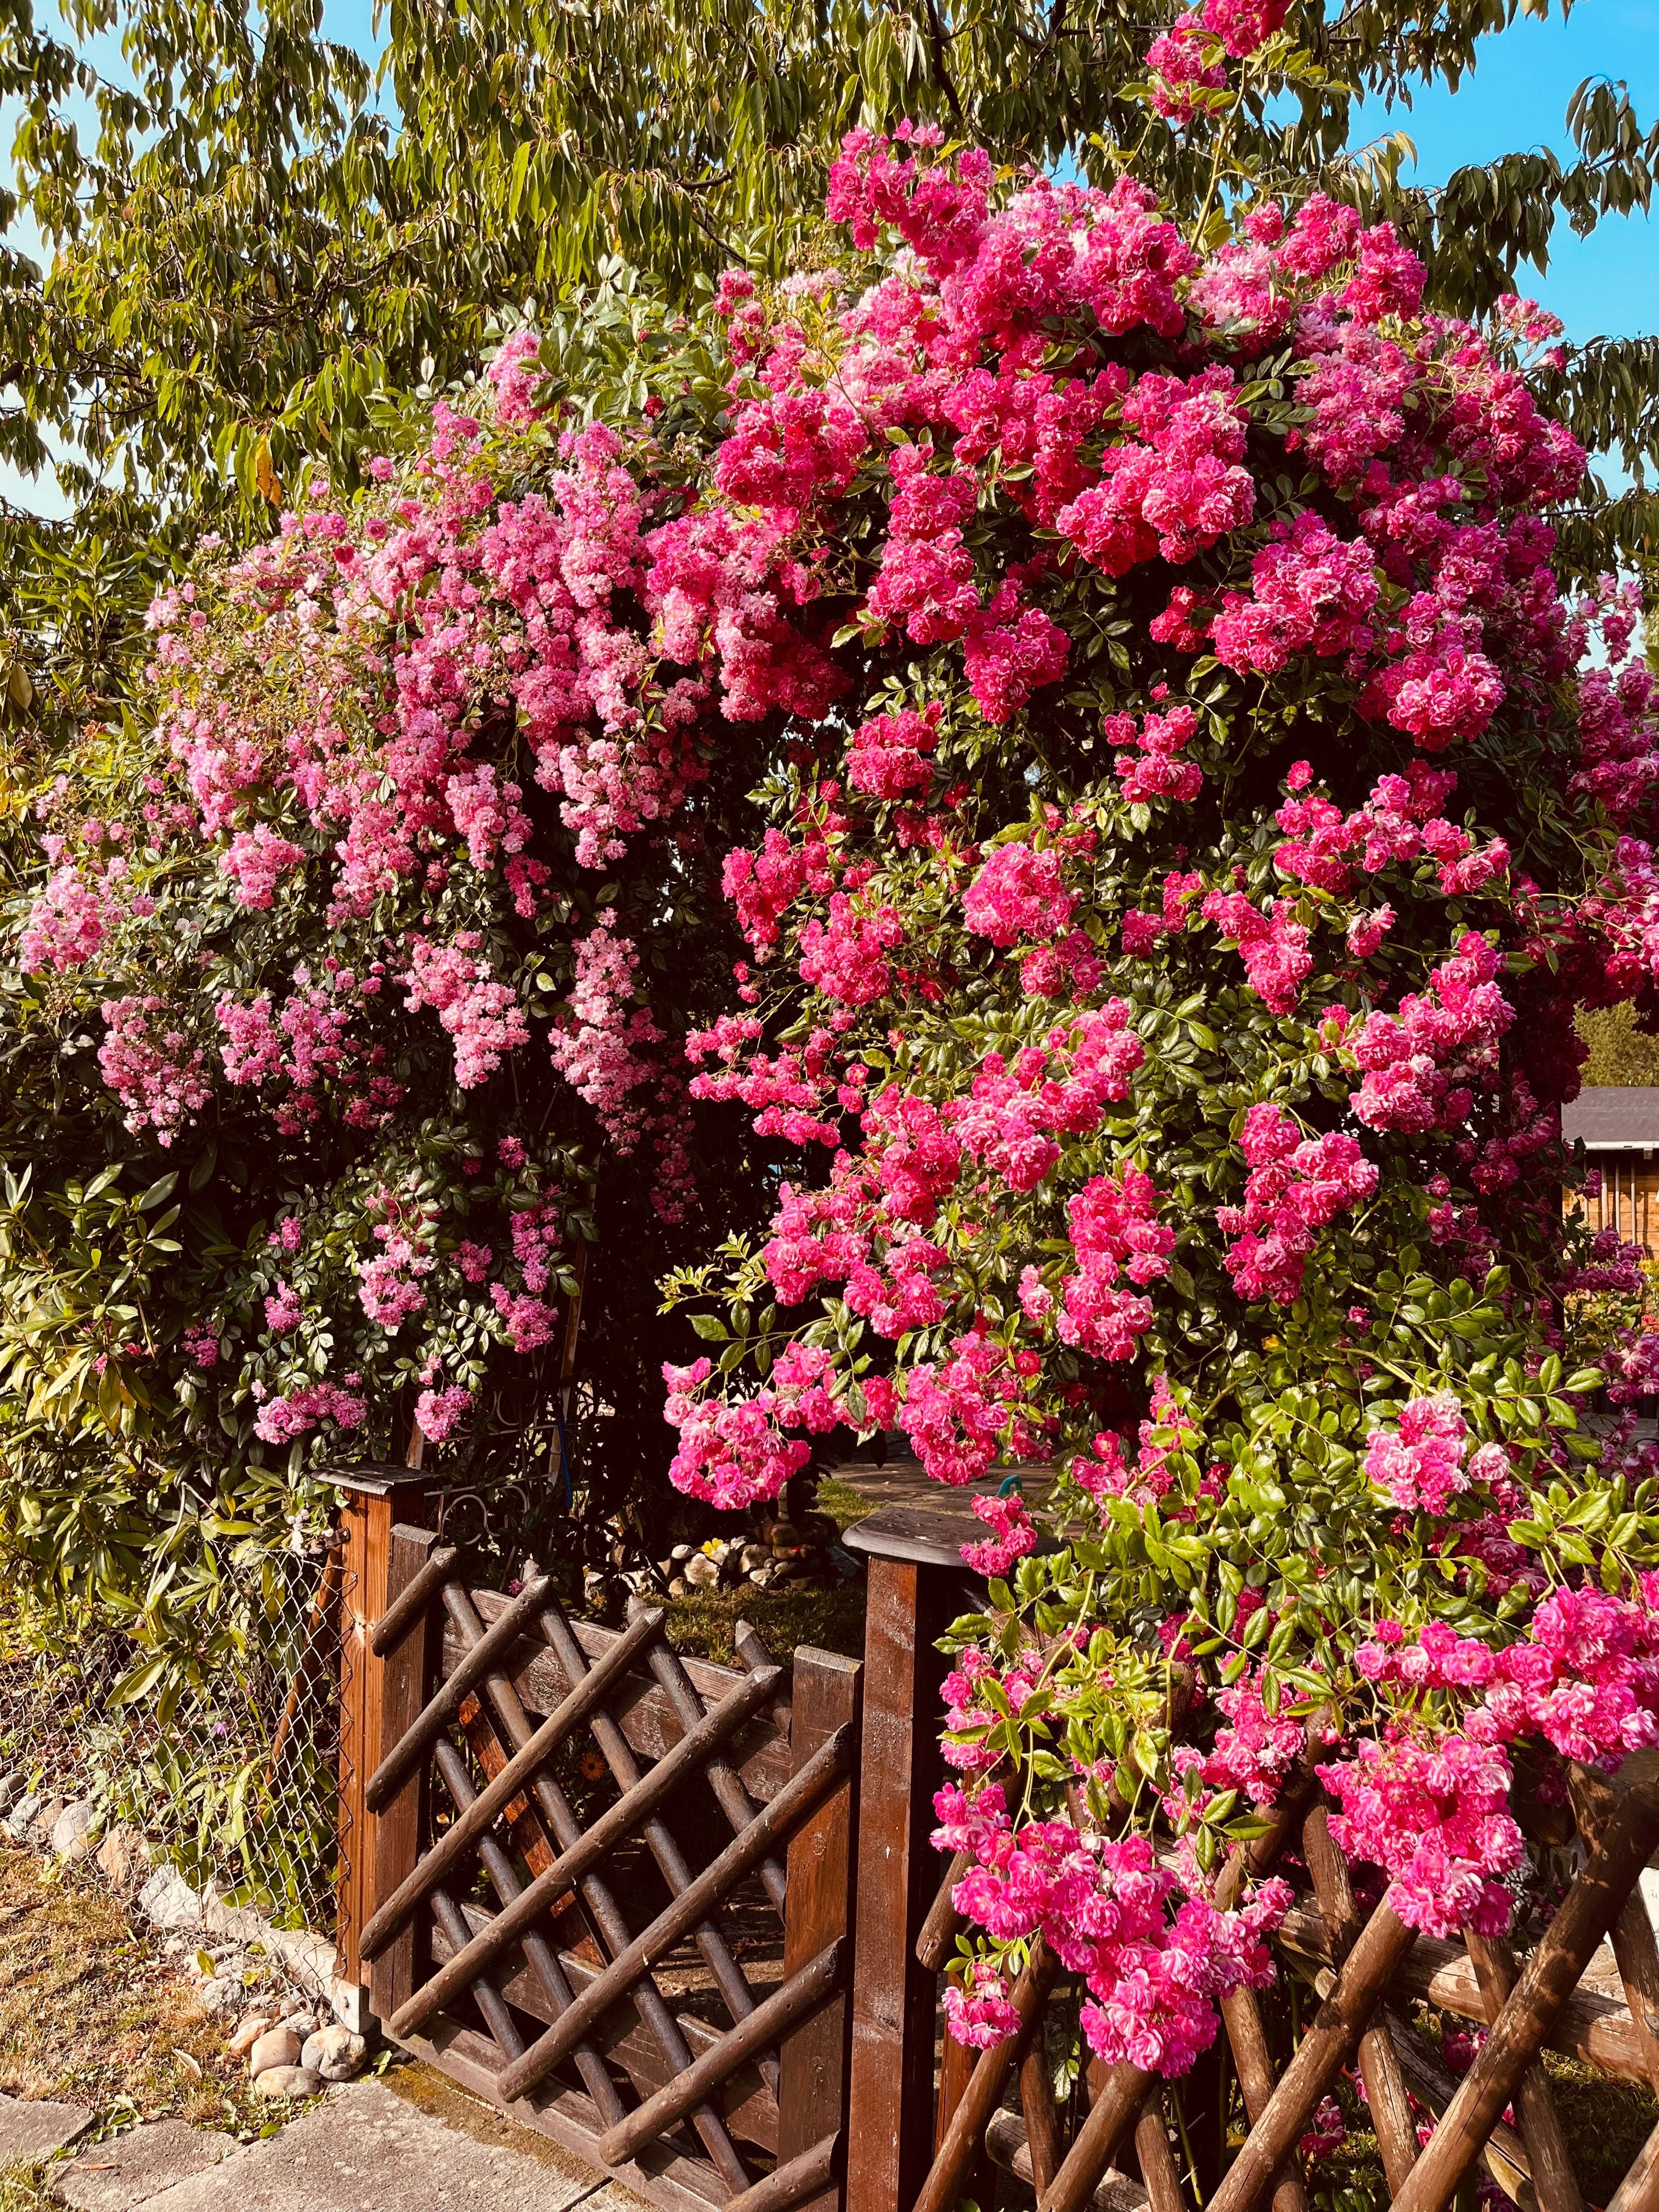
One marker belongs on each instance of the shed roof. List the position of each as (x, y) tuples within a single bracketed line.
[(1614, 1118)]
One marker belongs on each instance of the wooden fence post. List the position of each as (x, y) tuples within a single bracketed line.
[(374, 1497), (916, 1576), (819, 1904)]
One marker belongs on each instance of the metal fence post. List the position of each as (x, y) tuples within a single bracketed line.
[(916, 1589), (374, 1497)]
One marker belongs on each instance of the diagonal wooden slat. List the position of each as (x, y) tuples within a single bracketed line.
[(790, 2185), (1593, 1903), (1324, 2050), (1639, 2190), (496, 1641), (1045, 2145), (989, 2078), (527, 1832), (497, 2015), (539, 1955), (1503, 2154), (411, 1603), (607, 1915), (482, 1814), (1006, 2141), (793, 2000), (789, 1807), (723, 1779), (1157, 2166), (729, 1979), (1552, 2176), (592, 1845), (1118, 2099), (1386, 2097)]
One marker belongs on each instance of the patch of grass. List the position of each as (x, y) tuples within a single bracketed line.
[(703, 1622), (21, 2189), (90, 2013), (842, 1503), (1605, 2122)]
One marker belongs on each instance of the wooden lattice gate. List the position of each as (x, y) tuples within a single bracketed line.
[(612, 1889)]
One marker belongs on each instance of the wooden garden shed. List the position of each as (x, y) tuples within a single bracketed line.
[(1619, 1128)]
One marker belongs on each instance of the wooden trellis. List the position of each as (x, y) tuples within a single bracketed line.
[(576, 1960)]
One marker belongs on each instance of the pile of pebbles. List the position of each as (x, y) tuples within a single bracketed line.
[(779, 1551), (298, 2055)]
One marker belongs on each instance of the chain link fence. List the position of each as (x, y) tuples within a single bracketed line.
[(224, 1756)]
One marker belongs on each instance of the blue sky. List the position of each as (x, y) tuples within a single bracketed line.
[(1607, 284), (1517, 98)]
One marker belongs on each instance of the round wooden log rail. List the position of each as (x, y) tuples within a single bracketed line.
[(485, 1809), (539, 1955), (1113, 2113), (771, 1827), (406, 1608), (794, 2182), (987, 2083), (609, 1921), (722, 1776), (592, 1844), (1010, 2147), (1322, 2053), (1591, 1905), (497, 1641), (803, 1993), (637, 1790)]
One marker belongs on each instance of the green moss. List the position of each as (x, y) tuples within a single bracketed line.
[(832, 1618)]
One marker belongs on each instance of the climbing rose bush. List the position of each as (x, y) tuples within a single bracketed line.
[(1186, 814), (1163, 946)]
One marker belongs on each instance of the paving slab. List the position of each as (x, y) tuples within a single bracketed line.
[(365, 2150), (32, 2130), (127, 2170)]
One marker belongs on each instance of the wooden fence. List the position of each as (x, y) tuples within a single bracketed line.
[(686, 1920)]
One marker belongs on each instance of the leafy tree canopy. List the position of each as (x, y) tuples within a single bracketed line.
[(251, 241)]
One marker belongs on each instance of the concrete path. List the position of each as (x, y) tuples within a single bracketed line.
[(364, 2149)]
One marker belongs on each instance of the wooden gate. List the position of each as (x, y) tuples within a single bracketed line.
[(612, 1889)]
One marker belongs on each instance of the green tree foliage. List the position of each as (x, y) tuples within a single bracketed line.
[(1619, 1052), (251, 241)]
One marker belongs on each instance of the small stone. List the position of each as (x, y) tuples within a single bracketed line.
[(700, 1572), (680, 1552), (11, 1788), (287, 2082), (335, 2053), (223, 1994), (119, 1853), (170, 1901), (252, 2028), (753, 1558), (22, 1817), (679, 1587), (276, 2047), (72, 1837)]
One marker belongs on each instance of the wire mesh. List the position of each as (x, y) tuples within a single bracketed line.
[(226, 1760)]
